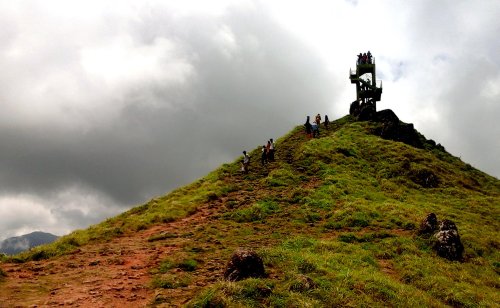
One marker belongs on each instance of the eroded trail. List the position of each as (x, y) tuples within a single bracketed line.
[(113, 274), (119, 273)]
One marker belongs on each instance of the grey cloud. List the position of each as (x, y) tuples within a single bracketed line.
[(255, 84), (461, 41)]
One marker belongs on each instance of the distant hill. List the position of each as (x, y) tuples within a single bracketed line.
[(17, 244), (336, 220)]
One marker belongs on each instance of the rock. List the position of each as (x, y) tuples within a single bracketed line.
[(354, 108), (367, 112), (429, 225), (387, 116), (244, 264), (363, 111), (448, 244), (392, 128)]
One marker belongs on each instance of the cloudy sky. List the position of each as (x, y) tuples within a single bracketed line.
[(106, 104)]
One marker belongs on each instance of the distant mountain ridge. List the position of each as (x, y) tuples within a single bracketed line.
[(17, 244)]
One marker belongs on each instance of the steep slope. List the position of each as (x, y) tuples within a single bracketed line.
[(17, 244), (334, 218)]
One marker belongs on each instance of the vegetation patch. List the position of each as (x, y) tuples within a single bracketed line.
[(256, 212), (170, 281), (281, 177)]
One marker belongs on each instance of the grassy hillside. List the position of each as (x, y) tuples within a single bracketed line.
[(335, 220)]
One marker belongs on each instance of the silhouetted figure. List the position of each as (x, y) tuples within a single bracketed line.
[(369, 56), (308, 127), (245, 162), (271, 149), (315, 130), (263, 157), (327, 122), (360, 58)]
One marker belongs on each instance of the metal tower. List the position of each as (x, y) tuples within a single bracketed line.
[(367, 91)]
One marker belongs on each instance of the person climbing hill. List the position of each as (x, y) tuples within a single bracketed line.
[(263, 157), (246, 162), (317, 122), (308, 127), (315, 130), (271, 149)]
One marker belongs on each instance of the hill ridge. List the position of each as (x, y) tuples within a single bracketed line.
[(340, 210)]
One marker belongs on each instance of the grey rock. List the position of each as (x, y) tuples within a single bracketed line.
[(244, 264), (448, 244)]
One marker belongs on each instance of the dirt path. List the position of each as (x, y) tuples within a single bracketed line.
[(113, 274), (118, 273)]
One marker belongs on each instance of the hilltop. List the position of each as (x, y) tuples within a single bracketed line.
[(17, 244), (335, 220)]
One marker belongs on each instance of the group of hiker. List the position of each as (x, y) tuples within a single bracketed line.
[(268, 149), (267, 155), (312, 130), (267, 152), (365, 58)]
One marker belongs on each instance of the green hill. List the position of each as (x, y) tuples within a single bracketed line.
[(335, 220)]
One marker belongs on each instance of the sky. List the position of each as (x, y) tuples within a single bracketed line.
[(108, 104)]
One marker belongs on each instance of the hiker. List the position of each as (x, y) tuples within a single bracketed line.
[(360, 56), (365, 58), (268, 149), (271, 149), (317, 120), (263, 157), (315, 130), (327, 122), (245, 162), (369, 55), (308, 127)]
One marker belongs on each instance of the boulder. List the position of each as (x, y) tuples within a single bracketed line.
[(399, 131), (244, 264), (363, 111), (448, 244), (429, 225), (387, 116), (354, 108), (367, 112)]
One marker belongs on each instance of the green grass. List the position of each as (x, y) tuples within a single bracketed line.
[(257, 212), (335, 219), (170, 281)]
